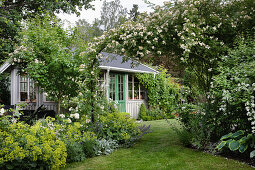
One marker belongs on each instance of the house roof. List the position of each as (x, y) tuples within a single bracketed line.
[(115, 62), (4, 67), (112, 62)]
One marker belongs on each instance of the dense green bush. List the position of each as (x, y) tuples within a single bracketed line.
[(30, 147), (79, 144), (116, 126), (197, 124), (142, 112)]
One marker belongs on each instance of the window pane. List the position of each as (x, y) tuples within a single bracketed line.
[(23, 88), (136, 94), (32, 91), (130, 94), (142, 95), (121, 87), (130, 87), (23, 96), (142, 92)]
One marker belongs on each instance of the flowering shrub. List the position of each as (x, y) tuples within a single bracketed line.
[(233, 90), (231, 101), (30, 147)]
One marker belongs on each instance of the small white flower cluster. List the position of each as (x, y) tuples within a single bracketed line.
[(250, 108), (75, 115), (62, 116), (2, 111)]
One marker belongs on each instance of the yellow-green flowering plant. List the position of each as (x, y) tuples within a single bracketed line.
[(23, 146)]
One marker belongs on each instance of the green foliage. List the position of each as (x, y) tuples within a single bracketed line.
[(14, 12), (23, 146), (230, 102), (117, 126), (238, 141), (105, 147), (4, 89), (200, 125), (113, 14), (172, 30), (45, 55), (163, 93), (232, 91), (184, 136), (142, 112)]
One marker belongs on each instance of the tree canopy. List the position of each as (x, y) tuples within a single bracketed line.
[(12, 13)]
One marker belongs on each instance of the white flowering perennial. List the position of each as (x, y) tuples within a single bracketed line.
[(250, 108), (2, 111), (75, 116)]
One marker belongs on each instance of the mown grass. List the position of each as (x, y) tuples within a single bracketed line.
[(158, 150)]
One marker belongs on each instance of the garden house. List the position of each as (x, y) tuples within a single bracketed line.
[(117, 79)]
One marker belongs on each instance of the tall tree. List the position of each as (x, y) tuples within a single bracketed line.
[(46, 57), (133, 14), (86, 31), (112, 14), (13, 12)]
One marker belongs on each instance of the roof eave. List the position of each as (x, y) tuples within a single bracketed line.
[(126, 70), (4, 67)]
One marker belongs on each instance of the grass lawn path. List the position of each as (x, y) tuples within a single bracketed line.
[(158, 150)]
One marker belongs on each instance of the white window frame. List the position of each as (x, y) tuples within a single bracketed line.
[(28, 90), (133, 88)]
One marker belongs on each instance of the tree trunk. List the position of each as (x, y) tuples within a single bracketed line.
[(59, 101)]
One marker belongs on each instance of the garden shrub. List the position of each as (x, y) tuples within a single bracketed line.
[(79, 144), (196, 125), (184, 136), (142, 112), (30, 147), (117, 126)]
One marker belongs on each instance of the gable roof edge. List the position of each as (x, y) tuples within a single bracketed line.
[(5, 66)]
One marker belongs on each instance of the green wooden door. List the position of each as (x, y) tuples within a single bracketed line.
[(117, 90)]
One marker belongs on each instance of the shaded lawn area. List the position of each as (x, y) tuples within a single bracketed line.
[(158, 150)]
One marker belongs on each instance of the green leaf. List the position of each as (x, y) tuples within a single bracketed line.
[(238, 133), (243, 147), (234, 145), (243, 139), (221, 145), (229, 141), (252, 154), (226, 136)]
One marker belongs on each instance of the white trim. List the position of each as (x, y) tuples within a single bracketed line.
[(4, 67), (123, 69)]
